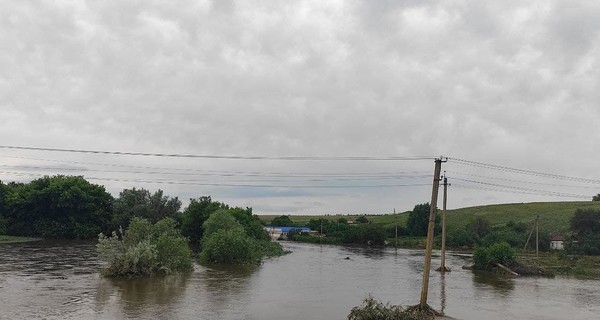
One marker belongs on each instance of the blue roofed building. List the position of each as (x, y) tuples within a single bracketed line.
[(281, 233)]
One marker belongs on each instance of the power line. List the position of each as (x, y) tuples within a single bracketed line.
[(523, 190), (200, 183), (211, 172), (522, 171), (175, 155), (258, 177), (520, 192), (521, 181)]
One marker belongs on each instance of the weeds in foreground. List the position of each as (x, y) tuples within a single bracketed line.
[(372, 309)]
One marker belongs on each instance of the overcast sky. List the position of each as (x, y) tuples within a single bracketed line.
[(509, 83)]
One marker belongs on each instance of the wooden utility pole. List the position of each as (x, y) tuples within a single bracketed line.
[(536, 227), (321, 238), (429, 245), (537, 236), (396, 243), (529, 237), (442, 267)]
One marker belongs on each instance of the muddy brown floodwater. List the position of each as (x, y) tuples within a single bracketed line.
[(60, 280)]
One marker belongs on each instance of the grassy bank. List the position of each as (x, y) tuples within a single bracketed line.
[(560, 264), (12, 239), (554, 216)]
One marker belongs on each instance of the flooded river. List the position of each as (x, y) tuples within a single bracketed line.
[(60, 280)]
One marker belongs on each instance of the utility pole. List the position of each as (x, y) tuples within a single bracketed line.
[(428, 247), (537, 236), (321, 238), (443, 268), (396, 242)]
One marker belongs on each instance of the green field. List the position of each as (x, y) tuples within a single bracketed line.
[(554, 216)]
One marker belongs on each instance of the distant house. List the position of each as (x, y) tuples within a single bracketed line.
[(277, 233), (557, 242)]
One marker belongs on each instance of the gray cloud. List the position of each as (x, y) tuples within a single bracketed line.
[(498, 82)]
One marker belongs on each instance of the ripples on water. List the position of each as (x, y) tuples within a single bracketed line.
[(60, 280)]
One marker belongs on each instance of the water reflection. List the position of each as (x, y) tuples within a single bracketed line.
[(501, 284), (368, 252), (226, 283), (443, 292)]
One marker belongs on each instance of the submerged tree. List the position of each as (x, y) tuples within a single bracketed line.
[(230, 238), (145, 249), (194, 216), (140, 203)]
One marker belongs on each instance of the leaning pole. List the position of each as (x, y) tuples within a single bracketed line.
[(430, 228)]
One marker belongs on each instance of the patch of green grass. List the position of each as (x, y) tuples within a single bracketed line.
[(302, 220), (554, 216), (13, 239)]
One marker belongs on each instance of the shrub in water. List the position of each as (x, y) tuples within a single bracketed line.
[(228, 246), (145, 249), (486, 257), (227, 241)]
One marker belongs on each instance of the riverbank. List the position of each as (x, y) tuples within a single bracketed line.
[(13, 239), (558, 263)]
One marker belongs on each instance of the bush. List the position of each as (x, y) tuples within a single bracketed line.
[(229, 246), (317, 240), (2, 225), (588, 246), (462, 238), (390, 231), (362, 234), (227, 241), (504, 235), (485, 258), (375, 310), (145, 249)]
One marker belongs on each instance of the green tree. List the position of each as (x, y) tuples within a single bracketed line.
[(141, 203), (228, 246), (228, 240), (418, 220), (220, 220), (282, 221), (485, 258), (4, 195), (596, 197), (195, 214), (362, 219), (252, 224), (225, 240), (58, 207), (145, 249), (481, 226), (363, 234), (586, 222)]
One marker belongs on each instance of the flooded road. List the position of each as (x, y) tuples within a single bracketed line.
[(60, 280)]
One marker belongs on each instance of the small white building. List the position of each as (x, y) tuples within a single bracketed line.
[(557, 242)]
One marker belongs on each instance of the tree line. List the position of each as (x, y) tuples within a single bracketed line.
[(70, 207)]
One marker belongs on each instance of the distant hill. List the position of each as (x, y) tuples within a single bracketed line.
[(554, 216)]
